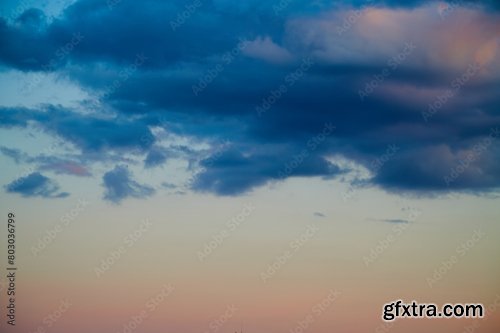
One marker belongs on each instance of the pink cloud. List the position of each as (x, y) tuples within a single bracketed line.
[(265, 49), (68, 167)]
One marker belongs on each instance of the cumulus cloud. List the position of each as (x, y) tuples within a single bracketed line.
[(378, 36), (119, 185), (155, 157), (364, 79), (91, 133), (35, 184), (264, 48), (223, 174)]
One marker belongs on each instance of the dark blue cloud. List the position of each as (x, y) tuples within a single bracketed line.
[(394, 221), (35, 184), (155, 157), (11, 117), (106, 35), (438, 169), (90, 133), (232, 172), (118, 184), (97, 134)]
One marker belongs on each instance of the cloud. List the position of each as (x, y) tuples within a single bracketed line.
[(471, 168), (264, 48), (168, 185), (318, 214), (394, 221), (65, 167), (156, 156), (365, 79), (35, 184), (33, 47), (44, 162), (119, 185), (223, 173), (378, 37), (14, 117), (17, 155), (91, 133)]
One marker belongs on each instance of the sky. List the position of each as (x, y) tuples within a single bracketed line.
[(281, 166)]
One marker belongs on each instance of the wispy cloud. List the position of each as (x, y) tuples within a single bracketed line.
[(118, 184), (35, 185)]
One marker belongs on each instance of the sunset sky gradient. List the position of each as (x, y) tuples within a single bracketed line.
[(307, 148)]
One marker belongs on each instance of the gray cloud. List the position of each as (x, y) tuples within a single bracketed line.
[(118, 184), (35, 184)]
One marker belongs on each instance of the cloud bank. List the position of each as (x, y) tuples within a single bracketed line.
[(420, 75)]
